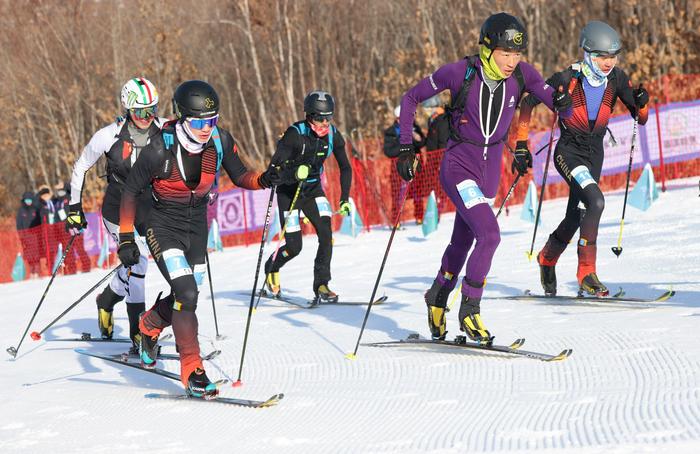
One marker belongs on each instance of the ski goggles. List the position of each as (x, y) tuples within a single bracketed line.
[(321, 117), (201, 123), (144, 112)]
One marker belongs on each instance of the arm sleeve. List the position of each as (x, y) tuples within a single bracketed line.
[(442, 79), (343, 164), (141, 175), (542, 95), (626, 94), (98, 145), (235, 168), (391, 143)]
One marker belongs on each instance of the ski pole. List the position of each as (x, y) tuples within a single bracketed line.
[(280, 239), (255, 282), (397, 221), (544, 182), (211, 291), (617, 250), (37, 335), (510, 192), (12, 350)]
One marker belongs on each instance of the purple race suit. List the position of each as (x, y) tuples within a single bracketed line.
[(470, 169)]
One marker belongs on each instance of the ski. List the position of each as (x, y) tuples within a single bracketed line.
[(616, 298), (307, 304), (274, 400), (166, 356), (462, 342), (117, 359), (87, 337)]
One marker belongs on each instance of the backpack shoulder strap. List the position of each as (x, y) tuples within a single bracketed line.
[(518, 73), (219, 148), (301, 128), (461, 98), (331, 131), (168, 139)]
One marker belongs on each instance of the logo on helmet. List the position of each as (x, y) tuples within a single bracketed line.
[(208, 103), (131, 98), (518, 38)]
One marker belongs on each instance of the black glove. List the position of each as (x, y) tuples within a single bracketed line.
[(641, 97), (128, 250), (75, 221), (270, 177), (522, 158), (404, 163), (561, 99)]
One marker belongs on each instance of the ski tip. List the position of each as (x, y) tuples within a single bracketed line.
[(562, 356), (36, 336), (237, 384), (517, 344), (351, 356)]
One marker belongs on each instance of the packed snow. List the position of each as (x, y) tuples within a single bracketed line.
[(632, 384)]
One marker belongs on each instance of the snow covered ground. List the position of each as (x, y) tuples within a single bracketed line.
[(632, 384)]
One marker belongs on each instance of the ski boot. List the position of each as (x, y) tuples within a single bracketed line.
[(105, 307), (470, 321), (436, 300), (148, 338), (548, 276), (324, 295), (592, 285), (135, 343), (199, 385), (134, 310), (272, 284)]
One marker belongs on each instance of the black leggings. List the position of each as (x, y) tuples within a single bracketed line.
[(318, 211), (580, 166), (177, 239)]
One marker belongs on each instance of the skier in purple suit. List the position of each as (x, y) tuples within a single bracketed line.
[(484, 99)]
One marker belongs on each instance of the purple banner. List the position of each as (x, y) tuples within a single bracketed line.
[(239, 210), (680, 135)]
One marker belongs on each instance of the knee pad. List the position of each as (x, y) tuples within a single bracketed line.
[(186, 299)]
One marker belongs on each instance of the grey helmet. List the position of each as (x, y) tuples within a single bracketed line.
[(601, 38)]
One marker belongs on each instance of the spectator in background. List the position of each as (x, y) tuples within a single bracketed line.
[(438, 134), (27, 223), (48, 216), (60, 202), (391, 150)]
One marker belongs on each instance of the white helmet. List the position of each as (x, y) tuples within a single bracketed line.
[(139, 92)]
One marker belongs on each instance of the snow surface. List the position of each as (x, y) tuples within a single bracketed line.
[(632, 384)]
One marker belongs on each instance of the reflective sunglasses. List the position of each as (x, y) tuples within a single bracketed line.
[(320, 118), (144, 112), (201, 123)]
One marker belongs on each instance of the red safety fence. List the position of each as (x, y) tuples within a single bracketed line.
[(376, 186)]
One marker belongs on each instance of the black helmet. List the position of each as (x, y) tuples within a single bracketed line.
[(601, 38), (195, 98), (503, 30), (319, 104)]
